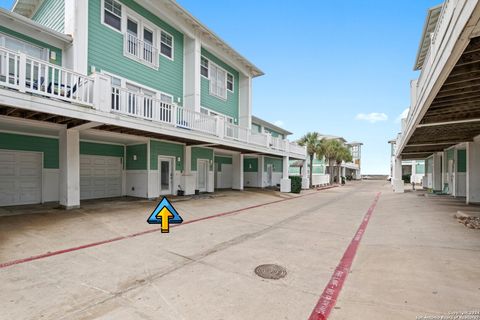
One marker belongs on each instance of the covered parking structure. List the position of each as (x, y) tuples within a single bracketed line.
[(443, 124)]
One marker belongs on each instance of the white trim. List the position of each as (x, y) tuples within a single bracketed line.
[(160, 45), (233, 82), (208, 68), (173, 168), (168, 141), (126, 81), (216, 113), (211, 63), (102, 16), (29, 134)]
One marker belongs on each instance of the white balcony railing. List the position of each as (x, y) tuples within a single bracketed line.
[(259, 139), (235, 132), (297, 149), (140, 50), (28, 74), (141, 105), (277, 143), (197, 121)]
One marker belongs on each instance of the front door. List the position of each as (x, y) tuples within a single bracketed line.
[(165, 175), (202, 175)]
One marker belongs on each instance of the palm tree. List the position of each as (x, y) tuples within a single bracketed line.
[(330, 150), (310, 140), (343, 154)]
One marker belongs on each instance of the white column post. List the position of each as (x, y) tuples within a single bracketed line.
[(76, 20), (285, 183), (69, 156), (22, 71), (220, 127), (102, 92), (245, 102), (437, 172), (188, 180), (473, 172), (455, 173), (398, 185), (305, 177), (261, 172), (237, 174), (193, 53)]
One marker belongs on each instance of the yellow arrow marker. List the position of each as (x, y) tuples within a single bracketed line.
[(165, 214)]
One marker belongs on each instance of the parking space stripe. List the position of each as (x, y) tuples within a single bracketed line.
[(330, 294), (95, 244)]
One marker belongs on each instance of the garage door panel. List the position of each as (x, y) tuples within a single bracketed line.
[(7, 156), (101, 177), (7, 170), (20, 177)]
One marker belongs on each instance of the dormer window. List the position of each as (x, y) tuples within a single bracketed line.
[(112, 14)]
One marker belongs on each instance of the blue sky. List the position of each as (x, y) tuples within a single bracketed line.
[(328, 64)]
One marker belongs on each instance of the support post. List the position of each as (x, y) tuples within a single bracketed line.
[(305, 177), (473, 172), (285, 183), (437, 172), (237, 174), (261, 172), (69, 156), (398, 184), (188, 178)]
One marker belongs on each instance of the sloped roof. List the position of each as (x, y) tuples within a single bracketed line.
[(27, 8), (425, 41)]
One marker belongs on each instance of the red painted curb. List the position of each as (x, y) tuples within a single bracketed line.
[(94, 244), (330, 294)]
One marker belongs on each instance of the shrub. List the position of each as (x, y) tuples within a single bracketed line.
[(296, 185)]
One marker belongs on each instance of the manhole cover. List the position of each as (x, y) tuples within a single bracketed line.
[(271, 271)]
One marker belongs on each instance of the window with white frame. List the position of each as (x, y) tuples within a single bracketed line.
[(15, 44), (112, 14), (166, 44), (230, 82), (213, 113), (218, 81), (204, 67), (135, 99)]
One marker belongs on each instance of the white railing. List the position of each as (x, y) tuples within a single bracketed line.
[(236, 132), (260, 139), (143, 51), (297, 149), (277, 143), (28, 74), (197, 121), (141, 105)]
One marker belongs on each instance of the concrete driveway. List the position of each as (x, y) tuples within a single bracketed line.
[(104, 262)]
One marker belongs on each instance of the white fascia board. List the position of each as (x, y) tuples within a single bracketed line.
[(177, 16), (269, 125), (33, 29)]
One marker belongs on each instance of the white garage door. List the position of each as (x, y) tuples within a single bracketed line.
[(20, 177), (100, 177)]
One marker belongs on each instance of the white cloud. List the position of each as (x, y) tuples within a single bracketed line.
[(278, 123), (402, 115), (372, 117)]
